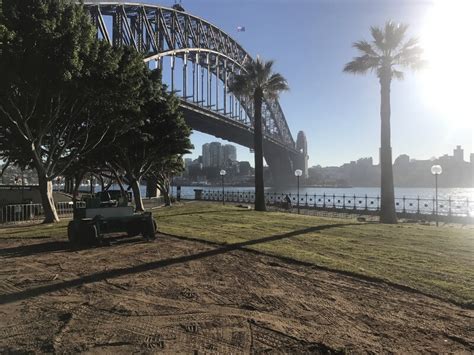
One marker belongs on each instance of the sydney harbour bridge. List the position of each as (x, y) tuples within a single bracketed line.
[(197, 61)]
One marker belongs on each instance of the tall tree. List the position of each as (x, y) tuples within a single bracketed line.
[(386, 55), (258, 82), (61, 91), (162, 133), (163, 171)]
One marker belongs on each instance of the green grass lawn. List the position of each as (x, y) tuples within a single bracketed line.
[(436, 261), (34, 230)]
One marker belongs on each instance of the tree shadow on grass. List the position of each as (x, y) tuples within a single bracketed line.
[(204, 212), (108, 274)]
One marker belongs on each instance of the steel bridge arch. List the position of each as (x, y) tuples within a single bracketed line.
[(160, 32)]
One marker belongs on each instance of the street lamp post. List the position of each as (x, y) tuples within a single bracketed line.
[(298, 173), (436, 170), (222, 174)]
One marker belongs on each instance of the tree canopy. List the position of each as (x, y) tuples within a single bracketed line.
[(160, 132), (63, 93), (388, 52)]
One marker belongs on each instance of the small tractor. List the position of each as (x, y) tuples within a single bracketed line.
[(107, 212)]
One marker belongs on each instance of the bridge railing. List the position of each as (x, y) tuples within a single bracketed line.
[(405, 206)]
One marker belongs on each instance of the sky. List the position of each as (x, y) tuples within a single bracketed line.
[(311, 40)]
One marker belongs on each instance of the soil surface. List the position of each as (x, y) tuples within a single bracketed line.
[(174, 295)]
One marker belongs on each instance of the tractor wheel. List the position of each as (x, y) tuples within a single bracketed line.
[(148, 229), (73, 232), (88, 234)]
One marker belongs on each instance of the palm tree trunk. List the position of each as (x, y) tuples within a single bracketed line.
[(387, 203), (258, 148)]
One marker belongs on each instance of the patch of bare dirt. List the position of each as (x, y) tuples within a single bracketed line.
[(178, 296)]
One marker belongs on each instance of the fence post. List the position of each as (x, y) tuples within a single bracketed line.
[(355, 207), (378, 202), (404, 211), (343, 201), (324, 200), (334, 201), (306, 194), (366, 207)]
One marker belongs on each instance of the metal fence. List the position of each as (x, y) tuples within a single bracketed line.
[(351, 203), (32, 212)]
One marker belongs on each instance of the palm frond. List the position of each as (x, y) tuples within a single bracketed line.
[(360, 65), (258, 74), (394, 34), (378, 37), (240, 85), (408, 56), (397, 74), (274, 85), (419, 64), (366, 48)]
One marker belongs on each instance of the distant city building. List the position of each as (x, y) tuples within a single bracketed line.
[(216, 156), (206, 155), (458, 154), (402, 160), (245, 168), (187, 163), (407, 173), (230, 153)]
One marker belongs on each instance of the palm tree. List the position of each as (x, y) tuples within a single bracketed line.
[(257, 81), (386, 55)]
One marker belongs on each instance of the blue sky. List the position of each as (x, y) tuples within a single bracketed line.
[(310, 41)]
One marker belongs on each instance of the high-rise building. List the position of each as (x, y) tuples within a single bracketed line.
[(230, 153), (458, 154), (206, 155), (216, 156)]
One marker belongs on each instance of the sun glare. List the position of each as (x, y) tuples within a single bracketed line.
[(448, 41)]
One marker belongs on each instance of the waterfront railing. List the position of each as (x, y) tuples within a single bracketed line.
[(405, 206)]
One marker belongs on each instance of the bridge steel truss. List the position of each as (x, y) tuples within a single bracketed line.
[(201, 59)]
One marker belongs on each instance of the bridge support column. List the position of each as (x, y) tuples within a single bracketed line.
[(281, 167)]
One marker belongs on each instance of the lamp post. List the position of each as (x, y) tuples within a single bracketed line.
[(436, 170), (222, 174), (298, 173)]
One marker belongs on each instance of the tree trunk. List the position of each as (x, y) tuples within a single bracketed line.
[(46, 192), (165, 192), (137, 196), (258, 148), (77, 180), (387, 203)]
